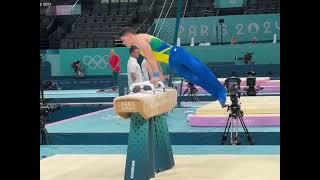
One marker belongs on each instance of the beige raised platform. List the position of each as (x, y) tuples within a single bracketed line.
[(244, 79), (249, 105), (147, 104), (195, 167)]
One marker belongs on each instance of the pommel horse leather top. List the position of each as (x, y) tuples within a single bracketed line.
[(147, 103)]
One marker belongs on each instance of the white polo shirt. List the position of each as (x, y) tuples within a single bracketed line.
[(133, 67), (144, 70)]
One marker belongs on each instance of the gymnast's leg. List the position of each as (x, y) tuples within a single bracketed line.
[(188, 74), (194, 70)]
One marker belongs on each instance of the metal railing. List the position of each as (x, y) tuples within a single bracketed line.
[(74, 23), (51, 23)]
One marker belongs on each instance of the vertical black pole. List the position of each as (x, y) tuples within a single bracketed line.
[(41, 74), (176, 35), (180, 94), (221, 34), (217, 34), (177, 22)]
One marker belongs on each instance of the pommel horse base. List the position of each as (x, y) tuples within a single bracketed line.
[(149, 147)]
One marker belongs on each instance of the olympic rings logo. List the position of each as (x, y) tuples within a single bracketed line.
[(96, 62)]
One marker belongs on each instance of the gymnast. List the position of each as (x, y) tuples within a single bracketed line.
[(180, 61)]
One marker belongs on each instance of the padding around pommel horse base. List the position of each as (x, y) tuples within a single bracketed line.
[(149, 147)]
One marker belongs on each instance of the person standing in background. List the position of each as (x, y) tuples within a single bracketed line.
[(133, 68), (144, 69), (234, 40), (115, 64), (254, 40)]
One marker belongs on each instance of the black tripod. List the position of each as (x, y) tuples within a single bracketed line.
[(191, 90), (235, 115), (44, 135), (194, 97), (44, 110), (41, 82)]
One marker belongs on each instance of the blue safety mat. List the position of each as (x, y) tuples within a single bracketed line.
[(107, 121), (107, 128)]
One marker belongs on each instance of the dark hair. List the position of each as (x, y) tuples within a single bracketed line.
[(132, 48), (127, 30)]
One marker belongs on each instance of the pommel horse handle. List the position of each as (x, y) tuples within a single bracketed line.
[(146, 83)]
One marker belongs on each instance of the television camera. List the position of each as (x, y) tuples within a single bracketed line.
[(236, 114), (247, 58), (252, 89), (45, 110)]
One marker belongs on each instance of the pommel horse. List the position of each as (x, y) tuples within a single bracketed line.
[(149, 147)]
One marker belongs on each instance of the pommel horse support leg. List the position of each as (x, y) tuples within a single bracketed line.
[(149, 147)]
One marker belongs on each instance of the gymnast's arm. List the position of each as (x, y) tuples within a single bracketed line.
[(146, 49)]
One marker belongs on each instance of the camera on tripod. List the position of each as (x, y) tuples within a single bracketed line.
[(233, 88), (192, 91), (45, 109), (49, 85), (247, 58), (252, 90), (236, 114)]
